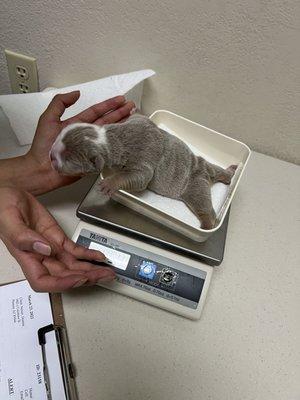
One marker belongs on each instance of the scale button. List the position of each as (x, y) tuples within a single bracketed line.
[(147, 270), (168, 277)]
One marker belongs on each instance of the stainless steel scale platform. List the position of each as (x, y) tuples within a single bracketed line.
[(98, 210)]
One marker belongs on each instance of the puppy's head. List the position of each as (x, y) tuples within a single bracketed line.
[(77, 149)]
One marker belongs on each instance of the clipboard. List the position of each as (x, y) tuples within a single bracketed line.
[(67, 368), (58, 333)]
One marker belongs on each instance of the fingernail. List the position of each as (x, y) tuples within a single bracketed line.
[(106, 278), (42, 248), (80, 282), (133, 110)]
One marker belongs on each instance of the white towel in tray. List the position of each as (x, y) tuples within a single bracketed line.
[(177, 208)]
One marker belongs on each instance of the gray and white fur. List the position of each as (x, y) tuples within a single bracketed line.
[(141, 156)]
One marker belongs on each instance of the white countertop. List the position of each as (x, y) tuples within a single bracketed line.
[(246, 344)]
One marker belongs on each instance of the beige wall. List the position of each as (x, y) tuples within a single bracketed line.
[(230, 65)]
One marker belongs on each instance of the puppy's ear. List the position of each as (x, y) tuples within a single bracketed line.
[(98, 162)]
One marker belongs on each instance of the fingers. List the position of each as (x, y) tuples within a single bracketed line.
[(118, 115), (91, 114), (93, 273), (78, 252), (14, 229), (58, 104), (53, 284), (101, 275), (59, 271), (82, 252), (56, 277), (68, 262), (106, 112), (59, 279)]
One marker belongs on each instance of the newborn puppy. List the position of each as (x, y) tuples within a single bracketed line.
[(141, 156)]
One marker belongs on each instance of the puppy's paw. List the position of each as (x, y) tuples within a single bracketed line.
[(227, 176), (232, 168), (208, 221), (108, 187)]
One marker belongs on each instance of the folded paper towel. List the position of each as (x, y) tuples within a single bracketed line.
[(24, 110)]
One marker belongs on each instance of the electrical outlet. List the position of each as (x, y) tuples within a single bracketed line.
[(22, 72), (23, 88)]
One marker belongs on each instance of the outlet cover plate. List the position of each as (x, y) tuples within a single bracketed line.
[(23, 74)]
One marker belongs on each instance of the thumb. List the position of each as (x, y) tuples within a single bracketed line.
[(59, 103), (26, 239)]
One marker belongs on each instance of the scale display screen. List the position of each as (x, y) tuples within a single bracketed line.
[(119, 259), (147, 271)]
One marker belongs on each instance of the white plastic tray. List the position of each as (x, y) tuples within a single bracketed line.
[(214, 147)]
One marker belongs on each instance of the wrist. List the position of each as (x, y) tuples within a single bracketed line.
[(37, 179), (44, 177), (26, 173)]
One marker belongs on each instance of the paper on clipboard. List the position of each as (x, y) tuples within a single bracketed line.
[(22, 313)]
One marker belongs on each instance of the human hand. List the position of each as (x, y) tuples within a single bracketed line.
[(50, 124), (49, 260)]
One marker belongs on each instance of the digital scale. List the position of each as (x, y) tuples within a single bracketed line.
[(153, 264)]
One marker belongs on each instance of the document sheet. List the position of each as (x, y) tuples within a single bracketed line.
[(22, 313)]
